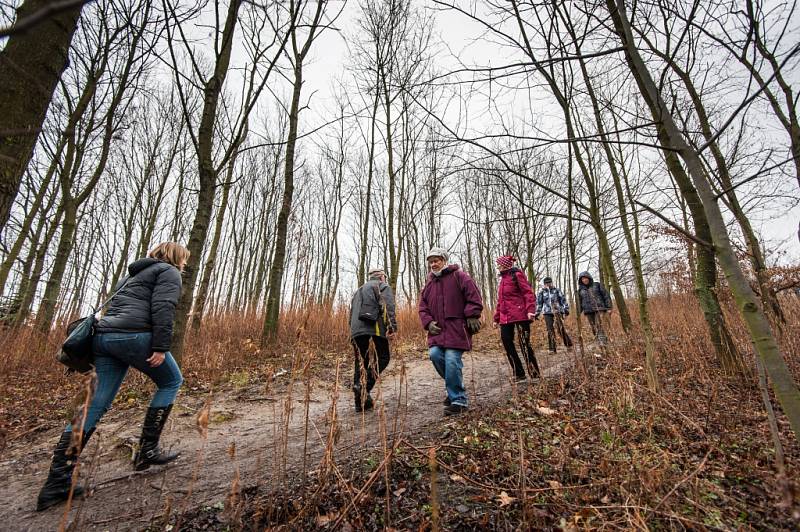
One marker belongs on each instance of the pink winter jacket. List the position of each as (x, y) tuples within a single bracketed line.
[(515, 298)]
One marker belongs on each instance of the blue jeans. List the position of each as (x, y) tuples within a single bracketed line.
[(114, 353), (448, 365)]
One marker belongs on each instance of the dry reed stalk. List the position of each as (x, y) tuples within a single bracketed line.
[(201, 421), (307, 401), (522, 478), (76, 443), (328, 462), (288, 409), (370, 481), (434, 500), (401, 408), (233, 501), (780, 461)]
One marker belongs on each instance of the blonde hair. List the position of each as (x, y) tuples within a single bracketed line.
[(171, 253)]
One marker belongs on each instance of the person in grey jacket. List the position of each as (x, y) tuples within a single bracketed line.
[(372, 323), (595, 302), (551, 302), (136, 331)]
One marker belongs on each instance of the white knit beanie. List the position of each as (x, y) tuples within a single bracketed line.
[(438, 252), (375, 272)]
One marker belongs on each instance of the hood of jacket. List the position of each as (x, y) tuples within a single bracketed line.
[(140, 264), (581, 276), (447, 270)]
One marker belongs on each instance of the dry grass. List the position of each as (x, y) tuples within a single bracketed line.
[(614, 455), (35, 390), (605, 453)]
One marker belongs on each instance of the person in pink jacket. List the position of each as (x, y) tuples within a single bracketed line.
[(516, 308)]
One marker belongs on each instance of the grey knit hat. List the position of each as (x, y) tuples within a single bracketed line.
[(438, 252), (374, 272)]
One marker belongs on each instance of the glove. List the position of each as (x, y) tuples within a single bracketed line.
[(473, 325), (434, 328)]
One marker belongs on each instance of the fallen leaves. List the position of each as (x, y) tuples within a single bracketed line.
[(325, 519), (545, 411), (202, 418), (505, 499)]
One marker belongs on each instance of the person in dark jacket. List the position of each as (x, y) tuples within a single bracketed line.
[(595, 302), (136, 330), (450, 308), (372, 324), (516, 307), (551, 302)]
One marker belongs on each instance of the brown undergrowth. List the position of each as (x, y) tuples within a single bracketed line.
[(35, 392), (594, 449), (225, 353)]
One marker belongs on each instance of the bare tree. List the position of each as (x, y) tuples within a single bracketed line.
[(758, 326), (31, 64), (204, 132), (312, 24)]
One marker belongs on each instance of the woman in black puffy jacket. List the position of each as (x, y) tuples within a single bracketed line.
[(136, 331)]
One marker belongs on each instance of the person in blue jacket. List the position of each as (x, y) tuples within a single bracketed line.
[(551, 302)]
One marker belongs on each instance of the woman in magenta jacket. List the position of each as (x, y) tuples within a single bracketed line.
[(516, 307)]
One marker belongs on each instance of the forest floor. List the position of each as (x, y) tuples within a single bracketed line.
[(588, 446), (247, 438)]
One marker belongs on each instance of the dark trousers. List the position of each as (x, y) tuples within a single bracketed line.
[(371, 361), (554, 322), (596, 322), (523, 329)]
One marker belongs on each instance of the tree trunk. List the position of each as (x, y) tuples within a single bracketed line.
[(766, 347), (29, 286), (756, 256), (390, 215), (31, 63), (563, 102), (208, 269), (207, 173), (30, 216), (362, 258), (279, 258), (47, 308), (633, 249), (276, 278)]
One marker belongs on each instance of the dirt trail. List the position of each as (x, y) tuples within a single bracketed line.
[(411, 395)]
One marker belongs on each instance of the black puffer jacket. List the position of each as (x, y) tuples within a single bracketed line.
[(593, 298), (146, 303)]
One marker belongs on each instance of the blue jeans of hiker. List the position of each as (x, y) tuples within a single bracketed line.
[(448, 365), (114, 353)]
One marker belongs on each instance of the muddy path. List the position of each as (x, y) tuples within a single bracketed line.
[(266, 438)]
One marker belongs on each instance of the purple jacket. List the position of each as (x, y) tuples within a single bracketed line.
[(449, 300)]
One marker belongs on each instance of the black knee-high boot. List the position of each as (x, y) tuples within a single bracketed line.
[(59, 478), (149, 452)]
